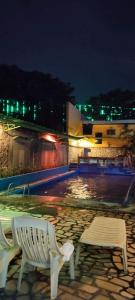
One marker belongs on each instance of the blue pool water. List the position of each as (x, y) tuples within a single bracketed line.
[(103, 188)]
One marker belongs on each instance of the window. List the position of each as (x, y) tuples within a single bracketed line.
[(111, 131), (87, 128), (98, 134)]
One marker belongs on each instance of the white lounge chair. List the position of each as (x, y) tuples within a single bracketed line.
[(106, 232), (7, 252), (37, 240)]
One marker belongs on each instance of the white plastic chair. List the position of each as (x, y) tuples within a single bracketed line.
[(7, 252), (37, 240)]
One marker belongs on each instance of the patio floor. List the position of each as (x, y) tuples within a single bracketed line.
[(99, 274)]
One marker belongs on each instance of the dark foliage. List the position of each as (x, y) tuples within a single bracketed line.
[(115, 97), (49, 94)]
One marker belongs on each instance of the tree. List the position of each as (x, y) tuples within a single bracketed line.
[(36, 89), (129, 136)]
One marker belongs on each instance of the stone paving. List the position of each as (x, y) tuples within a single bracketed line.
[(99, 274)]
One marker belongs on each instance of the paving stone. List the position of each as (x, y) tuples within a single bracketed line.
[(102, 278), (97, 272), (108, 265), (131, 250), (108, 286), (116, 258), (84, 295), (86, 279), (24, 289), (32, 277), (118, 297), (100, 297), (38, 287), (131, 259), (119, 266), (131, 291), (60, 232), (127, 278), (10, 287), (120, 282), (131, 269), (77, 273), (24, 297), (66, 289), (88, 288), (67, 296), (112, 271), (75, 284), (117, 253), (130, 254), (127, 295), (132, 264)]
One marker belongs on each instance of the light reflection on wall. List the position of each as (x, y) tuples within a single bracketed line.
[(80, 143), (50, 138)]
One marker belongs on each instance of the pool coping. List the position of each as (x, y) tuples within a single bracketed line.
[(52, 201)]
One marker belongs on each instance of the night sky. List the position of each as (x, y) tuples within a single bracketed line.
[(90, 44)]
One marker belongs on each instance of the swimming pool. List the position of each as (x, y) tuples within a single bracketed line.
[(101, 188)]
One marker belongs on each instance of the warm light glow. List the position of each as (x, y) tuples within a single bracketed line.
[(73, 143), (84, 143), (1, 129), (80, 143), (49, 138)]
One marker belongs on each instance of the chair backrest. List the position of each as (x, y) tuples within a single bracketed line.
[(36, 237)]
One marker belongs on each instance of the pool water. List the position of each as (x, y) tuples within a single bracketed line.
[(104, 188)]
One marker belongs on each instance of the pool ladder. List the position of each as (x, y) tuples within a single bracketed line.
[(130, 189), (24, 188)]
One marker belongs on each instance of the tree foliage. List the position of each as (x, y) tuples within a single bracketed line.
[(32, 86), (115, 97), (48, 93)]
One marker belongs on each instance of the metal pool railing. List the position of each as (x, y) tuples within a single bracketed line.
[(12, 188), (130, 190)]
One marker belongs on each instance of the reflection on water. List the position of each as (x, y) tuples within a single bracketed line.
[(112, 188), (80, 188)]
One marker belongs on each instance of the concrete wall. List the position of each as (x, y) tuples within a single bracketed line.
[(23, 151), (74, 153), (106, 152)]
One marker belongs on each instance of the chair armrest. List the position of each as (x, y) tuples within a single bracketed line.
[(67, 250), (4, 242)]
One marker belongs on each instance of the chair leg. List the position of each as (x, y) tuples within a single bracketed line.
[(77, 254), (56, 265), (20, 274), (3, 273), (72, 271), (54, 283), (124, 256)]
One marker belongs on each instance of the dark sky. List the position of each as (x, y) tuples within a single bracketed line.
[(89, 43)]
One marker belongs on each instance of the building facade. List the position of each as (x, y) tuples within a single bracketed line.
[(25, 147)]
